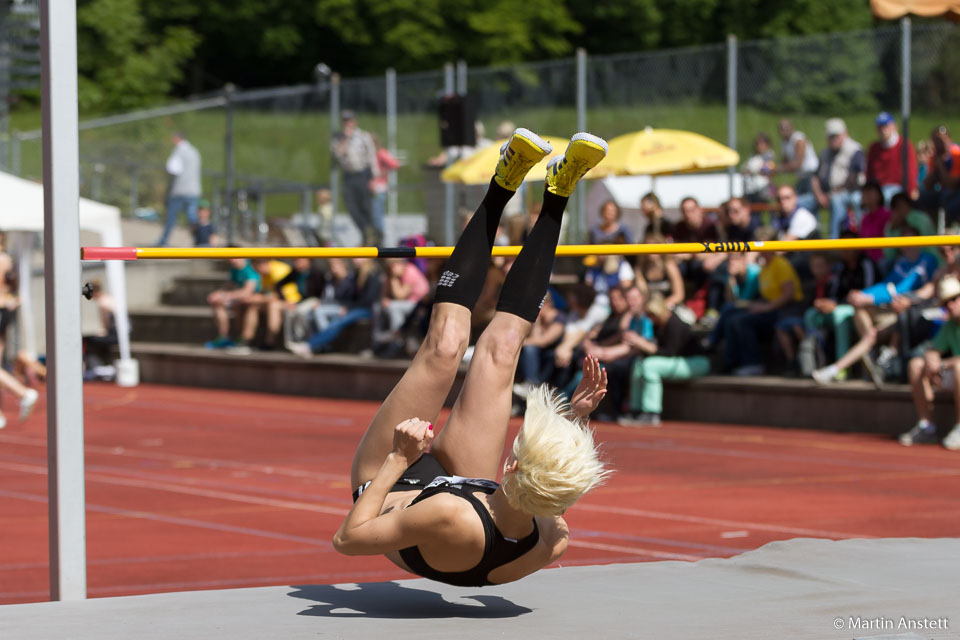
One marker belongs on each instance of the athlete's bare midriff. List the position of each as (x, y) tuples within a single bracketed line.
[(533, 560)]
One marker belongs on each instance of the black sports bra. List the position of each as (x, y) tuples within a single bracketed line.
[(498, 550)]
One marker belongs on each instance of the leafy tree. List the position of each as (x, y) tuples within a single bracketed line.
[(275, 42), (617, 27), (246, 42), (122, 64)]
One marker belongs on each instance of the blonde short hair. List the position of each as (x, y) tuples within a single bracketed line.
[(557, 460)]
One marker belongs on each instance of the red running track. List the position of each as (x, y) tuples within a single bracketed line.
[(198, 489)]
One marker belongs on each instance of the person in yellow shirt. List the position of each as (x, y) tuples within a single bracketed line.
[(272, 299), (780, 295)]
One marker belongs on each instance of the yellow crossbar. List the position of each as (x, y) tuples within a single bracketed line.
[(564, 250)]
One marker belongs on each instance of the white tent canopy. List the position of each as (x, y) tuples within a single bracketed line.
[(21, 209)]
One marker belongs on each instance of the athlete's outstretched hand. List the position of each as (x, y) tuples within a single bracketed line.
[(591, 389), (411, 438)]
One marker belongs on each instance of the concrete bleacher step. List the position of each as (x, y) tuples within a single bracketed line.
[(766, 401), (194, 324), (331, 376), (170, 324), (192, 290)]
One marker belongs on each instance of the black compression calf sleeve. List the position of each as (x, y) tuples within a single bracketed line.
[(526, 284), (466, 270)]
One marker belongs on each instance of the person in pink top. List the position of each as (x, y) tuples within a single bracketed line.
[(404, 286), (379, 184), (874, 221)]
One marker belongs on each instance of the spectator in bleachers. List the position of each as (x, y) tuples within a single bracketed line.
[(336, 295), (609, 334), (794, 222), (737, 221), (841, 172), (184, 178), (611, 229), (364, 293), (740, 286), (924, 156), (404, 286), (536, 356), (355, 153), (797, 156), (949, 257), (678, 356), (696, 268), (606, 273), (902, 215), (242, 286), (937, 368), (781, 293), (874, 315), (204, 233), (875, 217), (757, 170), (830, 313), (659, 273), (695, 226), (584, 315), (633, 339), (793, 329), (273, 299), (310, 282), (885, 159), (941, 187), (737, 224), (653, 212), (919, 310), (380, 183)]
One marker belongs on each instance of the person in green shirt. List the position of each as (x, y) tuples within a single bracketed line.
[(938, 367), (902, 215)]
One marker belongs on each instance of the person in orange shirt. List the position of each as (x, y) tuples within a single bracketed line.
[(941, 187)]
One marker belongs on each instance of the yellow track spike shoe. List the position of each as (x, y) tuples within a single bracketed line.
[(584, 152), (517, 156)]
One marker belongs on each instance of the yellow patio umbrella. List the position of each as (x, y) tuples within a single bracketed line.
[(478, 167), (663, 151)]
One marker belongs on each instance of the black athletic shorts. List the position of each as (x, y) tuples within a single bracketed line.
[(416, 477)]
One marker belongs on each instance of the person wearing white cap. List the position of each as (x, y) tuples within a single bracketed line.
[(939, 367), (885, 160), (836, 185)]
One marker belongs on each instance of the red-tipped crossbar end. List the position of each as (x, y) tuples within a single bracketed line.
[(108, 253)]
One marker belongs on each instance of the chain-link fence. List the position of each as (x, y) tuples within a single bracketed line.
[(266, 152)]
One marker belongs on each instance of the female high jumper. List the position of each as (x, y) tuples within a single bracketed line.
[(439, 514)]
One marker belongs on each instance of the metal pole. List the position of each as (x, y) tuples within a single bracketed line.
[(581, 227), (229, 162), (392, 180), (334, 128), (731, 101), (61, 171), (905, 53), (448, 189)]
